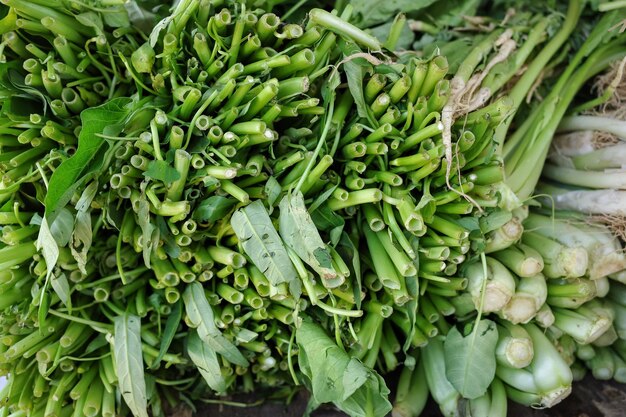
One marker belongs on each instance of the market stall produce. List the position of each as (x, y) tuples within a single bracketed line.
[(225, 197)]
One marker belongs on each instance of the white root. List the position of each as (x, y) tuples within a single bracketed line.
[(463, 92)]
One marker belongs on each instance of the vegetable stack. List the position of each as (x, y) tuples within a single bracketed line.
[(230, 202)]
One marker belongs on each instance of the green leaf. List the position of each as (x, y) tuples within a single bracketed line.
[(329, 88), (81, 239), (371, 12), (326, 219), (20, 107), (320, 199), (262, 244), (140, 15), (48, 246), (61, 287), (206, 361), (158, 28), (245, 336), (272, 189), (300, 234), (129, 363), (50, 238), (495, 220), (355, 73), (355, 70), (62, 226), (87, 160), (333, 376), (471, 359), (117, 18), (226, 348), (201, 317), (171, 325), (92, 20), (165, 234), (162, 171), (149, 232), (407, 36), (427, 207), (451, 12), (13, 79), (143, 58), (348, 250), (214, 208), (97, 343)]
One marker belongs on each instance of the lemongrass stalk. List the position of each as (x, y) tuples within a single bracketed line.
[(515, 347), (585, 178), (341, 27), (499, 288), (602, 365), (583, 324), (504, 236), (412, 392), (605, 255), (442, 391), (545, 382), (619, 317), (603, 158), (599, 123), (608, 338), (437, 69), (565, 146), (620, 367), (605, 201), (571, 293), (559, 260), (530, 295), (368, 195), (619, 276), (521, 259), (401, 261)]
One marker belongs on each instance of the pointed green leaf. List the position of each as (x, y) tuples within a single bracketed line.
[(471, 360), (162, 171), (213, 208), (129, 363), (61, 287), (206, 361), (272, 189), (262, 244), (201, 317), (87, 160), (48, 247), (149, 232), (300, 234), (355, 72), (371, 12), (333, 376), (81, 239), (171, 325)]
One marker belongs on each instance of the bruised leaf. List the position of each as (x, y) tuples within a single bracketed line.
[(300, 234), (264, 247)]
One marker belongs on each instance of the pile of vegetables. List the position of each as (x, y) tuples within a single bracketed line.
[(232, 197)]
